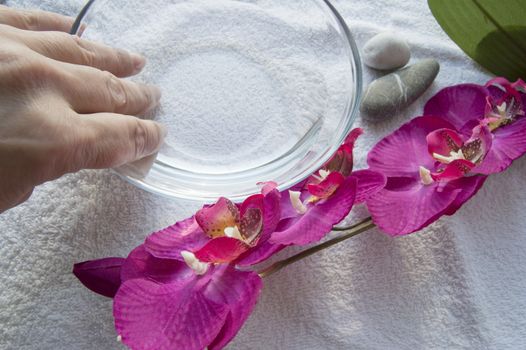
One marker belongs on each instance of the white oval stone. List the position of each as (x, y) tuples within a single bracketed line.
[(386, 51)]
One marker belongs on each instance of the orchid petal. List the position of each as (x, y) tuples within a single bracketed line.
[(509, 88), (353, 136), (406, 205), (443, 142), (269, 204), (520, 86), (100, 276), (401, 153), (320, 218), (240, 291), (141, 264), (342, 160), (327, 187), (454, 170), (254, 201), (221, 250), (458, 104), (149, 315), (259, 254), (267, 187), (498, 81), (171, 241), (251, 225), (214, 219), (271, 213), (470, 186), (369, 183), (476, 148), (509, 143)]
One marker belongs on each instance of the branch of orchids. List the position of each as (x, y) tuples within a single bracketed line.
[(350, 231)]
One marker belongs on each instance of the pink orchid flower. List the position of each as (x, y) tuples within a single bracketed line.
[(428, 166), (163, 304), (220, 233), (500, 105), (310, 210)]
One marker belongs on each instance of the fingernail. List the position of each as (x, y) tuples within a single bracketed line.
[(154, 95), (157, 133), (82, 28), (138, 62), (163, 130)]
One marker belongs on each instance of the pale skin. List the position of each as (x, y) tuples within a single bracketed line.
[(64, 105)]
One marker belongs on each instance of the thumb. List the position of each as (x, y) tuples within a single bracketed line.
[(110, 140)]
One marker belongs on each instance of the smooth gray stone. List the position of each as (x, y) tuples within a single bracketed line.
[(390, 94), (386, 51)]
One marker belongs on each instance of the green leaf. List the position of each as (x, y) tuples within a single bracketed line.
[(492, 32)]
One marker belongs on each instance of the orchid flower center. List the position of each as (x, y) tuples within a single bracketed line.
[(453, 155), (425, 176), (456, 156), (191, 260), (297, 204), (233, 232), (504, 114), (322, 175)]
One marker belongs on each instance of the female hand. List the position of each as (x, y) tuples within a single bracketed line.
[(64, 106)]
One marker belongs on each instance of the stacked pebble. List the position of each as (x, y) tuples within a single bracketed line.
[(393, 92)]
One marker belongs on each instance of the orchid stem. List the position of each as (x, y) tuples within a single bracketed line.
[(351, 231)]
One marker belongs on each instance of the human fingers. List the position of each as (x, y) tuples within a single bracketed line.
[(73, 49), (110, 140), (89, 90), (35, 20)]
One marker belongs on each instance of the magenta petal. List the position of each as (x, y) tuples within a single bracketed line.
[(509, 143), (259, 254), (369, 183), (170, 242), (401, 153), (270, 205), (509, 89), (240, 291), (254, 201), (214, 219), (287, 210), (327, 187), (267, 187), (251, 225), (470, 186), (478, 145), (141, 264), (406, 205), (443, 141), (458, 104), (353, 136), (149, 315), (271, 213), (221, 250), (342, 160), (101, 276), (320, 218), (454, 170)]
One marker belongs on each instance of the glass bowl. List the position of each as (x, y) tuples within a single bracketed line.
[(253, 90)]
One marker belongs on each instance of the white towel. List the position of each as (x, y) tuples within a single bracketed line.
[(460, 284)]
